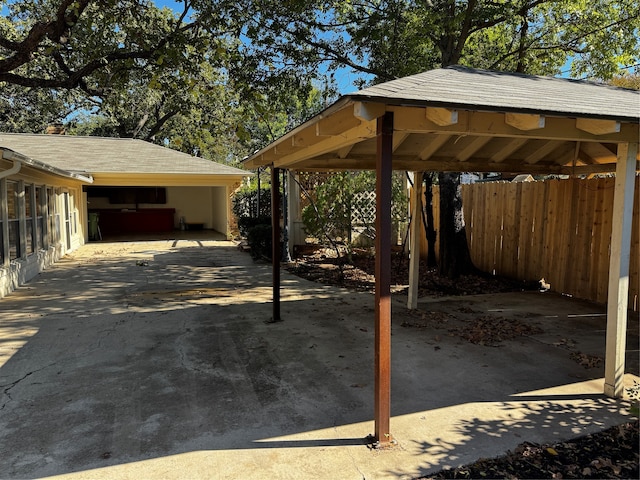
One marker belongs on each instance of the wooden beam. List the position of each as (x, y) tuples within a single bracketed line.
[(524, 121), (476, 144), (510, 148), (398, 139), (618, 294), (588, 169), (349, 137), (367, 111), (413, 120), (382, 403), (436, 164), (542, 152), (442, 116), (344, 151), (414, 242), (597, 127), (434, 145), (337, 123)]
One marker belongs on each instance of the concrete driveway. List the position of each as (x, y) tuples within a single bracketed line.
[(152, 360)]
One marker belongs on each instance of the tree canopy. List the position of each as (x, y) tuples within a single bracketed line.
[(130, 68), (221, 78)]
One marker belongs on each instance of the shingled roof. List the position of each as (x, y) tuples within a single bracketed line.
[(462, 87), (96, 155)]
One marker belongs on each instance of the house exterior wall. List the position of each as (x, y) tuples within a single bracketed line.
[(41, 219), (198, 205), (220, 203)]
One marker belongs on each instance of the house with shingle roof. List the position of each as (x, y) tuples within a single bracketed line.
[(59, 191)]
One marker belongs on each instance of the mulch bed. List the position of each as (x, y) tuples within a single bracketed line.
[(322, 265), (612, 453), (609, 454)]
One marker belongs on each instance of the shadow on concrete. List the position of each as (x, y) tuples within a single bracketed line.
[(160, 352)]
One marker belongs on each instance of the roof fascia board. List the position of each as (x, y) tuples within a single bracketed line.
[(409, 102), (414, 120), (170, 180), (253, 160)]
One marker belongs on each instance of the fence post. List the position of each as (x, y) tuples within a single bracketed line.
[(414, 242)]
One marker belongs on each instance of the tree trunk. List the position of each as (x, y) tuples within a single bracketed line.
[(455, 259), (429, 225)]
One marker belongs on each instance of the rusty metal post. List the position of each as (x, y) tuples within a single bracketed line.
[(383, 279), (275, 240)]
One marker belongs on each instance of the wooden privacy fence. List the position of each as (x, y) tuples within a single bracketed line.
[(559, 230)]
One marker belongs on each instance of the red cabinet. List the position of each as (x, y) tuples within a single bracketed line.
[(144, 220)]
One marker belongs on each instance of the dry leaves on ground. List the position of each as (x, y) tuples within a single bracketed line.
[(609, 454)]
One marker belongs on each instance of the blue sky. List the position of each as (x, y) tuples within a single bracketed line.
[(345, 78)]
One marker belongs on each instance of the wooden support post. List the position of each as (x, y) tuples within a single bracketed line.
[(275, 241), (383, 279), (414, 242), (618, 294)]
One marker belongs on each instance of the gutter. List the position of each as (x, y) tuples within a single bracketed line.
[(17, 165), (18, 160)]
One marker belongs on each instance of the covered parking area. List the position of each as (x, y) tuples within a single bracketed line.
[(138, 188), (459, 119)]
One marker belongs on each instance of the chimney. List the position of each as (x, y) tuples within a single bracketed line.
[(55, 129)]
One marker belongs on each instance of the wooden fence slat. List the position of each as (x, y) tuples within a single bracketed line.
[(511, 229), (550, 223), (596, 250), (564, 252), (524, 221), (586, 226), (603, 265), (478, 257), (537, 230), (495, 225)]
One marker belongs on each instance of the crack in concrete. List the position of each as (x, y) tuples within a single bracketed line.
[(11, 385)]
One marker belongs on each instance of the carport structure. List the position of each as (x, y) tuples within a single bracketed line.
[(460, 119)]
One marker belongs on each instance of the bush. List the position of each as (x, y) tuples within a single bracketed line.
[(259, 239), (245, 202), (246, 223)]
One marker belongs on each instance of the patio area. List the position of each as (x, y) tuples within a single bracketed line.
[(152, 360)]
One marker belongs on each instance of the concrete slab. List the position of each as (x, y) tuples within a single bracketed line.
[(152, 360)]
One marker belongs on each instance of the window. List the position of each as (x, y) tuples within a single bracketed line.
[(53, 235), (67, 218), (14, 222), (29, 219), (41, 208)]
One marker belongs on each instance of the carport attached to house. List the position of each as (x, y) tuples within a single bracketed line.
[(139, 186)]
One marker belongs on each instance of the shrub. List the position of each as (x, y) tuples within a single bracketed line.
[(245, 202), (259, 239), (245, 223)]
